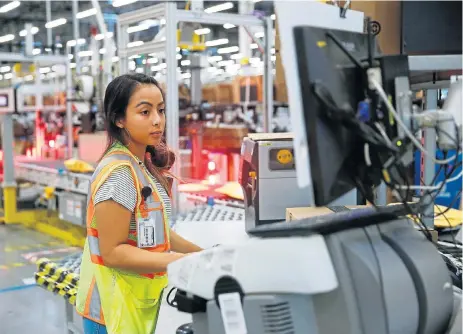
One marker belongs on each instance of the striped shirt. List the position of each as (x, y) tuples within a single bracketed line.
[(120, 187)]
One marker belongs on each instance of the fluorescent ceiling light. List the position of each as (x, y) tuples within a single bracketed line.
[(230, 49), (236, 56), (120, 3), (86, 13), (51, 75), (254, 60), (272, 51), (59, 45), (36, 52), (186, 75), (185, 62), (228, 26), (9, 6), (179, 56), (259, 34), (72, 65), (254, 46), (44, 70), (145, 25), (134, 57), (215, 58), (102, 51), (55, 23), (115, 59), (134, 44), (8, 76), (85, 53), (219, 8), (153, 60), (6, 38), (138, 28), (23, 32), (159, 67), (216, 42), (29, 77), (73, 42), (99, 37), (202, 31), (225, 62), (70, 56), (139, 70), (273, 17), (5, 69), (273, 58)]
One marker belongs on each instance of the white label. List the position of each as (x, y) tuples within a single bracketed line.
[(232, 313), (146, 232), (70, 207), (78, 211)]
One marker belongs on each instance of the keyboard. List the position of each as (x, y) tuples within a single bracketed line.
[(452, 255)]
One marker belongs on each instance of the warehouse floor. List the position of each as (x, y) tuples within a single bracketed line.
[(27, 308)]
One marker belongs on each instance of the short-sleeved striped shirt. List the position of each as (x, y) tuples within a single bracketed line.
[(120, 187)]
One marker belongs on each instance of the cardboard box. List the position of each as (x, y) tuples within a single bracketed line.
[(388, 14), (307, 212), (281, 94)]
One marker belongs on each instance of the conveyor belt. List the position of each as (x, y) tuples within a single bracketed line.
[(205, 213), (52, 173)]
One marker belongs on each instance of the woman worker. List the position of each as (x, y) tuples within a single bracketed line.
[(129, 243)]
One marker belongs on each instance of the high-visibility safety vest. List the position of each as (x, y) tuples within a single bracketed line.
[(125, 302)]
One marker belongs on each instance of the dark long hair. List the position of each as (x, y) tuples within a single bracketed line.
[(158, 159)]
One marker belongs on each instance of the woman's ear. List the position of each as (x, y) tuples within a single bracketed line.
[(119, 124)]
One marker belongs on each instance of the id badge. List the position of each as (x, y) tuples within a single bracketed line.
[(146, 232)]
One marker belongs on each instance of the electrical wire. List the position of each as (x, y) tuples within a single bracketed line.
[(171, 302), (399, 121)]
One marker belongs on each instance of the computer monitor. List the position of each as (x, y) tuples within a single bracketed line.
[(326, 71)]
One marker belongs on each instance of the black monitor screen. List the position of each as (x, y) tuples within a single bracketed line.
[(431, 27), (323, 66)]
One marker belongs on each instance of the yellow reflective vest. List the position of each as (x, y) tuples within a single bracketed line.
[(125, 302)]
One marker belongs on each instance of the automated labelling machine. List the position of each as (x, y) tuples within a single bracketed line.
[(268, 178)]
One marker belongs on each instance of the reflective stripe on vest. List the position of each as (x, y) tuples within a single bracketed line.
[(93, 305)]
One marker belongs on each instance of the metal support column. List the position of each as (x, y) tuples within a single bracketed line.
[(195, 85), (9, 182), (69, 123), (122, 41), (429, 165), (172, 94), (245, 7), (75, 26), (49, 31), (268, 77), (29, 40)]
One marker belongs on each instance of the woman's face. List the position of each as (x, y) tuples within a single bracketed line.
[(145, 119)]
